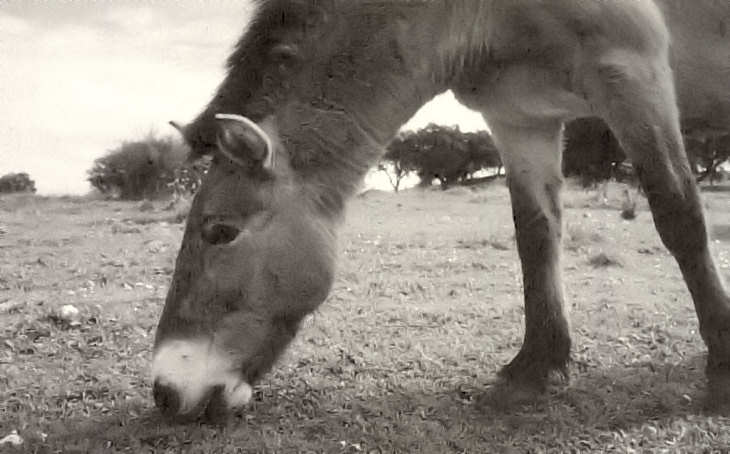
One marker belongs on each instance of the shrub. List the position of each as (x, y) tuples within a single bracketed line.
[(146, 169), (16, 182)]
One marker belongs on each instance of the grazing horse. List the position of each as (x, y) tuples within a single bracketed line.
[(316, 89)]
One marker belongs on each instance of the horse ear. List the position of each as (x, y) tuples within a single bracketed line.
[(244, 142), (180, 128), (193, 154)]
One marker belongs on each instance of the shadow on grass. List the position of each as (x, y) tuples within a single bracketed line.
[(599, 404)]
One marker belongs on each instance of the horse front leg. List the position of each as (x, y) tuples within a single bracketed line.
[(635, 95), (532, 157)]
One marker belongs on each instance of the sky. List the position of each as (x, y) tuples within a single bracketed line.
[(78, 78)]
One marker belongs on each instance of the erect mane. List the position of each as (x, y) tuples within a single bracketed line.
[(244, 74), (245, 66)]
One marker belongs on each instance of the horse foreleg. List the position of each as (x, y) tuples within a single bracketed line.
[(635, 95), (532, 157)]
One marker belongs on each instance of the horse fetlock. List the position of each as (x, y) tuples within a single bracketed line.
[(718, 347), (523, 381), (716, 334), (537, 362)]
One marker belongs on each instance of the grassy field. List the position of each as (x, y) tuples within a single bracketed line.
[(426, 307)]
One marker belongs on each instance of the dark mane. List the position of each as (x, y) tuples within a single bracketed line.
[(246, 69), (246, 78)]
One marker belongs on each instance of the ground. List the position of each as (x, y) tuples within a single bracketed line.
[(426, 307)]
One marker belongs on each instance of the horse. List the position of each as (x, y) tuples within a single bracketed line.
[(316, 89)]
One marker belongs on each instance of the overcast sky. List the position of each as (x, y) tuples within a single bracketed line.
[(77, 78)]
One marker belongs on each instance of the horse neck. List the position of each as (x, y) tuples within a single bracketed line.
[(437, 41), (372, 120), (378, 103)]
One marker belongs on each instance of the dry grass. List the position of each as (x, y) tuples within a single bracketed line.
[(580, 236), (425, 309), (604, 260), (609, 196)]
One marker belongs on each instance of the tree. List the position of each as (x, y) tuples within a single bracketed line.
[(16, 182), (400, 157), (591, 152), (706, 153), (442, 153), (149, 168), (482, 151)]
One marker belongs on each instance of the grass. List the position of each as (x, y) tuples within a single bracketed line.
[(425, 309), (604, 260)]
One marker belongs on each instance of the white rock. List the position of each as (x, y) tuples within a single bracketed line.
[(10, 305), (69, 312), (12, 439)]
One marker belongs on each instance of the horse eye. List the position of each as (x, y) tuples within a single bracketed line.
[(219, 233)]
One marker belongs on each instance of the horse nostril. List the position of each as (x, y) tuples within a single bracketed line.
[(166, 399)]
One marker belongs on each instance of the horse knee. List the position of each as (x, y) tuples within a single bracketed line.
[(537, 209)]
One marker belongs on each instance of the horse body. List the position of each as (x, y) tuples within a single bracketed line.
[(701, 62), (328, 83)]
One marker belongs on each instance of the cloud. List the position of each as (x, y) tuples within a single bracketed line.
[(77, 89), (83, 76), (132, 17), (11, 25)]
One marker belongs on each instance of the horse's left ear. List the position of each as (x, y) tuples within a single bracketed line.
[(193, 154), (180, 128), (244, 142)]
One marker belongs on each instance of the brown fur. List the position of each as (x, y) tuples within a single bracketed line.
[(331, 81)]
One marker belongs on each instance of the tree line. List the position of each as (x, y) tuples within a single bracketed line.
[(154, 167), (591, 153)]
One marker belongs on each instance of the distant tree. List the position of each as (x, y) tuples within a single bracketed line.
[(591, 152), (707, 153), (149, 168), (442, 153), (400, 157), (482, 151), (16, 182)]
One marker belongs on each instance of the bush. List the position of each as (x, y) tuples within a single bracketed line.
[(146, 169), (16, 182)]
